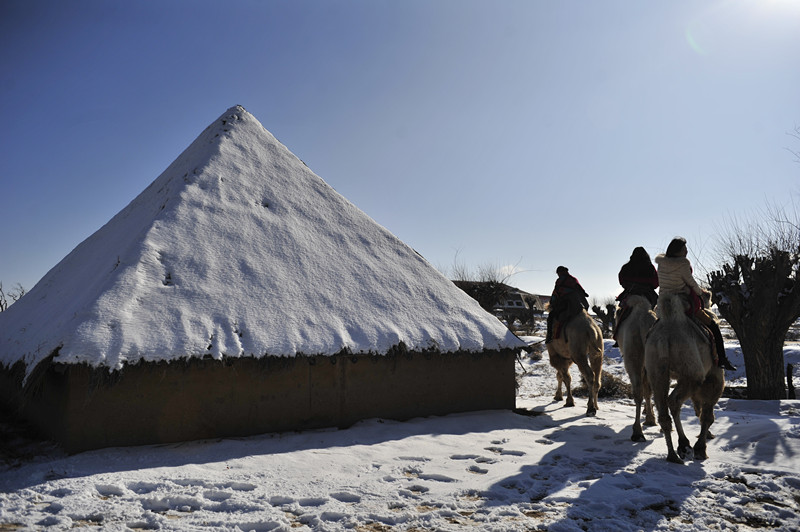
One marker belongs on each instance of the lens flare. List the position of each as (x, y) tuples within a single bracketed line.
[(693, 43)]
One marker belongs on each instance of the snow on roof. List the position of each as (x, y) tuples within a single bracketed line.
[(238, 249)]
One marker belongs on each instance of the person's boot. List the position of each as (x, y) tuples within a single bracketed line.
[(722, 357), (724, 363)]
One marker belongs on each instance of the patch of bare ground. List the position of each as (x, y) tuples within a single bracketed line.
[(20, 444)]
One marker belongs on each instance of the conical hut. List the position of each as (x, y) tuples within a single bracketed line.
[(240, 294)]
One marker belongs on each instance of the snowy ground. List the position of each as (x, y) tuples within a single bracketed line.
[(553, 469)]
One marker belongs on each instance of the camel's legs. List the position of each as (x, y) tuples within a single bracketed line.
[(706, 419), (597, 368), (659, 381), (642, 394), (640, 389), (697, 410), (558, 364), (592, 381), (568, 384), (638, 434), (679, 395), (562, 366), (647, 393), (708, 397), (559, 381), (636, 386)]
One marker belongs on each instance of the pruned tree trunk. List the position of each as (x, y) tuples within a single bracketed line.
[(760, 299), (763, 362)]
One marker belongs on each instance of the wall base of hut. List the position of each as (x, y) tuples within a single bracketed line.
[(84, 408)]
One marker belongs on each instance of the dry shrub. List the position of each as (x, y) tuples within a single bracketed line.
[(611, 387)]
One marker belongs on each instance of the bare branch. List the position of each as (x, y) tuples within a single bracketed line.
[(17, 292), (795, 134)]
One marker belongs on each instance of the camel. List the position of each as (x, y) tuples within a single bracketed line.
[(581, 342), (631, 336), (677, 348)]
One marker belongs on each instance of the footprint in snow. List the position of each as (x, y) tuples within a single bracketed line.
[(414, 490), (346, 497), (239, 486), (142, 487), (109, 490), (502, 451), (280, 500), (436, 478), (333, 516), (217, 496), (192, 482), (464, 457), (478, 459), (312, 501)]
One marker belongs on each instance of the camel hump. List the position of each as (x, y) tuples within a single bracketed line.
[(671, 307), (637, 301)]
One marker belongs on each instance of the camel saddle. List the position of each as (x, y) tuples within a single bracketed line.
[(705, 332), (559, 324), (708, 334)]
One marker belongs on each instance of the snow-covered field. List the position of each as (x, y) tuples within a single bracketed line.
[(553, 469), (158, 278)]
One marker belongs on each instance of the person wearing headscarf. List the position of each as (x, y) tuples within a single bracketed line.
[(567, 300), (638, 276)]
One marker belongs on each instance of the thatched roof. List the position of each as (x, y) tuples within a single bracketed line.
[(238, 249)]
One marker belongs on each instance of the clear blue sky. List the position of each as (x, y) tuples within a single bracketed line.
[(528, 133)]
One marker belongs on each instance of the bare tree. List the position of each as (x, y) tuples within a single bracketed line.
[(459, 271), (756, 290), (796, 135), (606, 316), (486, 283), (15, 293)]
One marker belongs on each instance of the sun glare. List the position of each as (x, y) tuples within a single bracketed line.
[(734, 20)]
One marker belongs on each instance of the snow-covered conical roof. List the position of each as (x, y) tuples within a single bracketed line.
[(238, 249)]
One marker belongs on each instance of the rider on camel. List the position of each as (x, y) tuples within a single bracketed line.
[(567, 300), (675, 277), (638, 277)]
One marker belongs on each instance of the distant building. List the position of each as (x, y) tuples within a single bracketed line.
[(504, 301)]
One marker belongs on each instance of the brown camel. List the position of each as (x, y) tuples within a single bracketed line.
[(631, 336), (677, 348), (581, 342)]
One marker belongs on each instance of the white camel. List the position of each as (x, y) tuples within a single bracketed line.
[(678, 348)]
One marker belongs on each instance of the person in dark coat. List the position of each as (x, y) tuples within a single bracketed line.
[(638, 276), (567, 300)]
